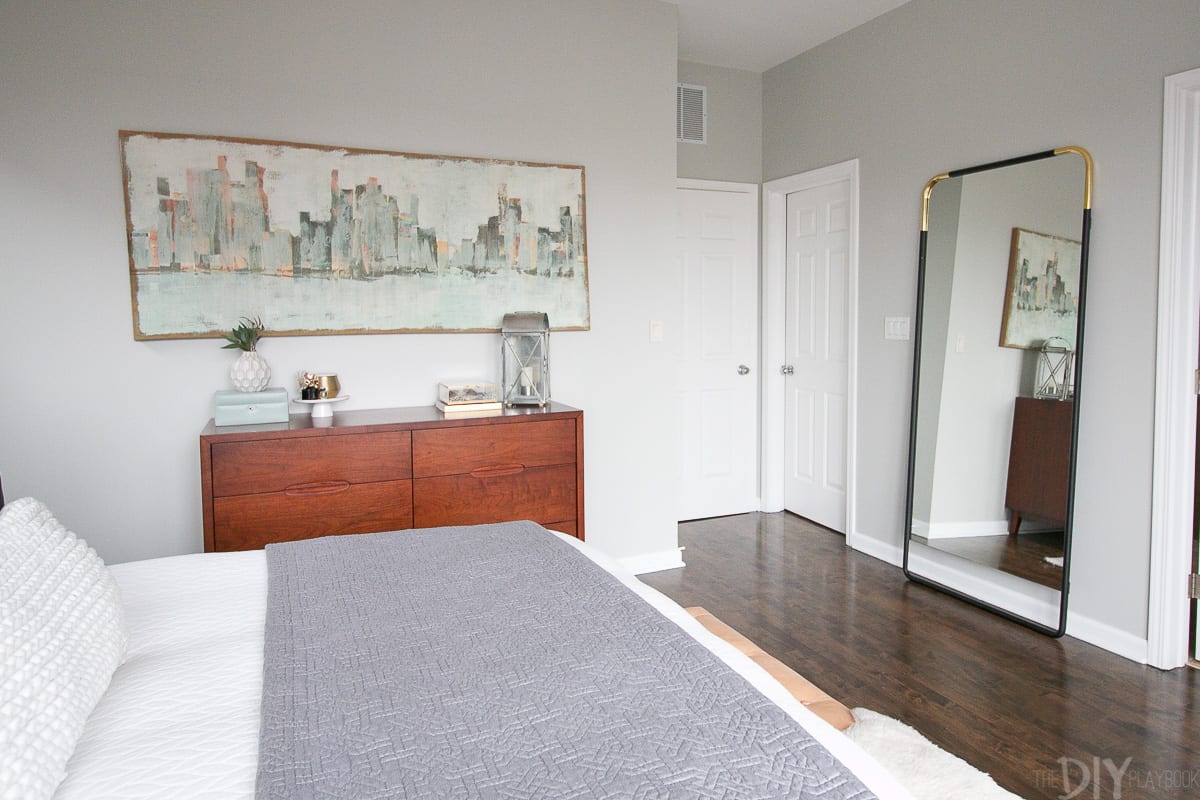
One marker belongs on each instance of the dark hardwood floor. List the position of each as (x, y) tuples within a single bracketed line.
[(1010, 701)]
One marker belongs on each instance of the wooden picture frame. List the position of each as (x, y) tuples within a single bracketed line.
[(317, 239), (1041, 298)]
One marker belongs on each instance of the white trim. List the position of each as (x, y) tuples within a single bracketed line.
[(884, 551), (1175, 398), (1106, 636), (653, 562), (774, 300), (962, 530), (967, 530)]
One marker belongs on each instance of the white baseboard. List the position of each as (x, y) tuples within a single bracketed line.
[(962, 530), (884, 551), (1107, 637), (653, 562)]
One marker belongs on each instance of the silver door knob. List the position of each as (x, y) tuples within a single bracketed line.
[(743, 369), (787, 369)]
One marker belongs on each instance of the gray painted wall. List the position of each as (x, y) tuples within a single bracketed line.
[(733, 151), (940, 84), (104, 429)]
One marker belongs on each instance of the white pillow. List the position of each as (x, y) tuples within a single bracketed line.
[(62, 635)]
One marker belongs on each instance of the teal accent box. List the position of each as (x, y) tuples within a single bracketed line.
[(250, 408)]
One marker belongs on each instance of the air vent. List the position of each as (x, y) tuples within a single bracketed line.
[(691, 113)]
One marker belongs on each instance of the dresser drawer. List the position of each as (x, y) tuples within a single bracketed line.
[(541, 494), (453, 451), (248, 522), (240, 468)]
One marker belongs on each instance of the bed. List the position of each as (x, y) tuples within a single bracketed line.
[(186, 715)]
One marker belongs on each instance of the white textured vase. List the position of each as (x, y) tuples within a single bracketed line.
[(250, 372)]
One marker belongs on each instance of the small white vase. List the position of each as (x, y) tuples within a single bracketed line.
[(250, 372)]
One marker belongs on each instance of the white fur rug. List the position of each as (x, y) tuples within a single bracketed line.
[(924, 769)]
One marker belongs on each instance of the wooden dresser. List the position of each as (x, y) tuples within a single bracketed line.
[(389, 469), (1039, 462)]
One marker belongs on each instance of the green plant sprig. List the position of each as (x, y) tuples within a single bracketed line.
[(245, 336)]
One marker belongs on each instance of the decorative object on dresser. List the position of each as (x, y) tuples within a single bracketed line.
[(1055, 373), (390, 469), (344, 240), (468, 397), (468, 408), (328, 385), (525, 358), (250, 408), (250, 372), (458, 392), (319, 391), (309, 390)]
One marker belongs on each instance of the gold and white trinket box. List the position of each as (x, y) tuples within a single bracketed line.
[(467, 391)]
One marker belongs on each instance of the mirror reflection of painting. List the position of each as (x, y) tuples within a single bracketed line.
[(994, 415), (1042, 298)]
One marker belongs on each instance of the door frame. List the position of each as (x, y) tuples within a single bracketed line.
[(750, 189), (774, 315), (1177, 358)]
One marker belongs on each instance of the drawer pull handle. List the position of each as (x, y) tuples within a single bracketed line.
[(329, 487), (492, 472)]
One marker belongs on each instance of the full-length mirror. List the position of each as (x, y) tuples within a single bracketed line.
[(996, 383)]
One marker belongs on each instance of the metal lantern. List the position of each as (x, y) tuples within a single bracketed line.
[(1055, 378), (525, 354)]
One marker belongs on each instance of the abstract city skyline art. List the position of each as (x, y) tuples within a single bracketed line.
[(331, 240), (1042, 297)]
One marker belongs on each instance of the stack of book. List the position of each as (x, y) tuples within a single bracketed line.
[(468, 397)]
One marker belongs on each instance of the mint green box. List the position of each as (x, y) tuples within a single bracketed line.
[(250, 408)]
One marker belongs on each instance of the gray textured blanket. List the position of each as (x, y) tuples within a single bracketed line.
[(497, 661)]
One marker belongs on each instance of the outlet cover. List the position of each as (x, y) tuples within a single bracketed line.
[(897, 328)]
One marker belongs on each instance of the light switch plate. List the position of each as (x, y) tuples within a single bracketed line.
[(897, 328), (656, 330)]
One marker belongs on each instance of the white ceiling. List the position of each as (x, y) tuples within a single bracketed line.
[(759, 34)]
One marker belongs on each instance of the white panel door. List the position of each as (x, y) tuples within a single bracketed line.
[(818, 243), (717, 248)]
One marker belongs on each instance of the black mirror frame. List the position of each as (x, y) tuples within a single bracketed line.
[(1079, 342)]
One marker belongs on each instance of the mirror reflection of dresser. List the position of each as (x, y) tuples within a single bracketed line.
[(996, 378), (1038, 463)]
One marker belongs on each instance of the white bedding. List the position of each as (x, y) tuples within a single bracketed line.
[(180, 718)]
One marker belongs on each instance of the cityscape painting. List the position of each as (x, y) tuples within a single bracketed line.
[(1042, 298), (324, 240)]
